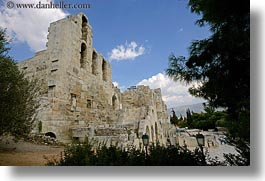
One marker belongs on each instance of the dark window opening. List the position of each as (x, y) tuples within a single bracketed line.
[(84, 21), (89, 103), (94, 60), (84, 28), (50, 134), (51, 91), (76, 139), (83, 55), (104, 70), (115, 103)]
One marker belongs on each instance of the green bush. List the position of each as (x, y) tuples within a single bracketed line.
[(174, 156), (84, 155)]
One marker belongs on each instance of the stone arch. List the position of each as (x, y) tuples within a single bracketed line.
[(84, 28), (84, 21), (104, 70), (152, 134), (147, 131), (94, 62), (50, 134), (83, 55), (156, 132)]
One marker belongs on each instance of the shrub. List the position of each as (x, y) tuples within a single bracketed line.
[(84, 155)]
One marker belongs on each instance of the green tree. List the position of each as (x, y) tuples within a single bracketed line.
[(221, 62), (174, 119), (208, 120), (181, 118), (17, 95), (189, 118), (208, 109)]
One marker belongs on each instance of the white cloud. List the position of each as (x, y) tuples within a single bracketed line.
[(126, 52), (29, 25), (116, 84), (173, 93), (180, 30)]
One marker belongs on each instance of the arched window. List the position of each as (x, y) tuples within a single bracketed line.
[(147, 131), (114, 102), (84, 28), (104, 70), (94, 62), (152, 134), (84, 21), (83, 55)]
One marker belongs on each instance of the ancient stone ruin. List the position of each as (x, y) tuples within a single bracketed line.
[(78, 99)]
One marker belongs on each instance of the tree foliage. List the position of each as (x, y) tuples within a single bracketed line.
[(174, 119), (17, 95), (221, 62), (241, 159), (189, 118), (210, 119)]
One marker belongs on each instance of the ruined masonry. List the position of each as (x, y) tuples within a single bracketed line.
[(79, 101)]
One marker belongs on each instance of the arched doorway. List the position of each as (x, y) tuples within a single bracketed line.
[(147, 131), (152, 134), (50, 134), (156, 132), (115, 102)]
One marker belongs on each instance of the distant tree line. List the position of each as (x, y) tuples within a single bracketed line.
[(209, 119)]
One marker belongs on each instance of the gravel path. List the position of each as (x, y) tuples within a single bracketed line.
[(26, 153)]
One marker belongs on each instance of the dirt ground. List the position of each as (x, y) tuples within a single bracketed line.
[(23, 153)]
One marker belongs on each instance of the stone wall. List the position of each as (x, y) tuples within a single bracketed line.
[(78, 99)]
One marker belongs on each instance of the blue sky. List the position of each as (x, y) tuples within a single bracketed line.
[(150, 29)]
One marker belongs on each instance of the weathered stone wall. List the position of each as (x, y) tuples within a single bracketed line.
[(78, 98)]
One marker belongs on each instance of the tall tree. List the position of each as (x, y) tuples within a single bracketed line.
[(221, 63), (189, 117), (18, 96), (174, 119)]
